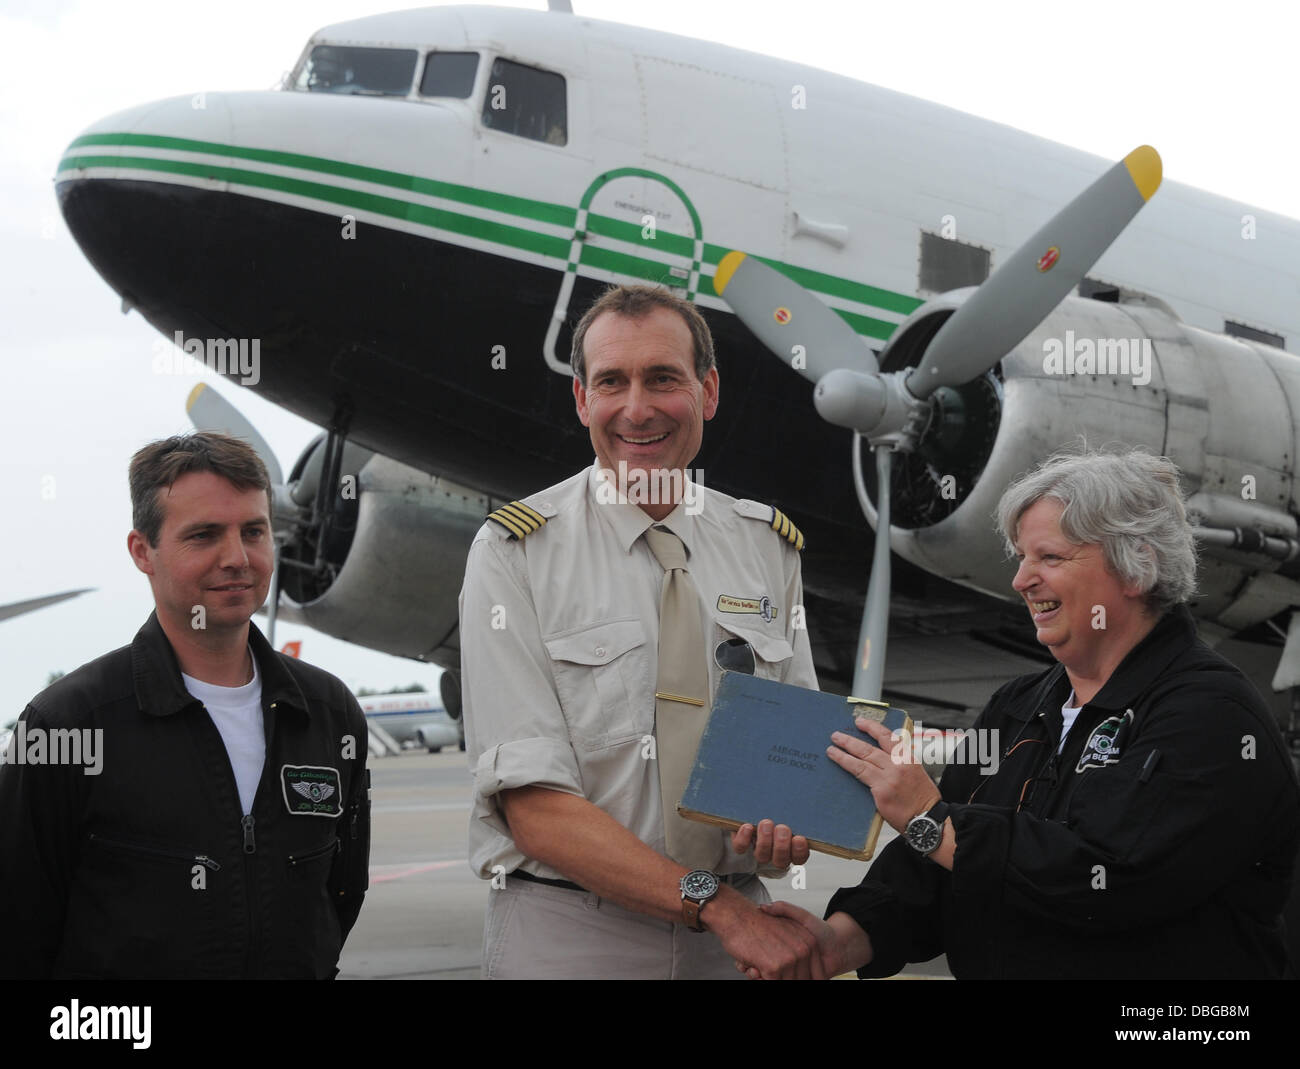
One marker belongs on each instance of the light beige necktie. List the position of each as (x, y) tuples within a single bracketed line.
[(681, 702)]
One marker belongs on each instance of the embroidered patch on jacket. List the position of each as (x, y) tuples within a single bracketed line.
[(759, 606), (311, 790), (1103, 745)]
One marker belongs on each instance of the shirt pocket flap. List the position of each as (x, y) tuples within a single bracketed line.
[(771, 648), (596, 644)]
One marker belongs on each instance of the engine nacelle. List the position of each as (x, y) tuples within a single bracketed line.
[(1224, 408), (393, 586)]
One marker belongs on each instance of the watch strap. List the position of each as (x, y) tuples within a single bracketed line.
[(692, 905)]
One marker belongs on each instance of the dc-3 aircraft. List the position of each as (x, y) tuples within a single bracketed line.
[(396, 244)]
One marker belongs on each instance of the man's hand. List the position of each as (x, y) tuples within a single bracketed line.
[(843, 946), (901, 787), (774, 844), (828, 948), (768, 947)]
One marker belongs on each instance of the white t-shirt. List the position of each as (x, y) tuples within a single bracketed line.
[(1068, 715), (237, 712)]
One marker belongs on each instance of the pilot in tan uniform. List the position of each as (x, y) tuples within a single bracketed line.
[(561, 657)]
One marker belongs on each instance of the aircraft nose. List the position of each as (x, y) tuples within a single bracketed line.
[(113, 191), (202, 117), (272, 224)]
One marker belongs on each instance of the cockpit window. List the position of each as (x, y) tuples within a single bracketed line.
[(449, 74), (527, 102), (368, 71)]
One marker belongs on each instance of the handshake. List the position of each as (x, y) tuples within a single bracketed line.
[(778, 940)]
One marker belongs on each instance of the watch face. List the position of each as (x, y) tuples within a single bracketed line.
[(700, 884), (924, 834)]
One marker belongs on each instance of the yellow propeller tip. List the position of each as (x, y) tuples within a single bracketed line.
[(726, 268), (1145, 169), (194, 395)]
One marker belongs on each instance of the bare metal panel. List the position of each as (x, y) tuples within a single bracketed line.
[(1187, 417), (1250, 443), (1286, 367), (398, 588), (1261, 597)]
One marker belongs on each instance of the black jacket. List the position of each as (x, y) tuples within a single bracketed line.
[(149, 869), (1156, 845)]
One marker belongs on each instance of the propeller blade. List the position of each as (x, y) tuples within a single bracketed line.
[(789, 320), (209, 411), (869, 670), (1020, 294)]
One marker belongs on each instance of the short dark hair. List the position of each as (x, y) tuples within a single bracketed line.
[(637, 302), (159, 464)]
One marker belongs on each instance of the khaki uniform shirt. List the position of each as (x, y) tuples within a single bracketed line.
[(559, 638)]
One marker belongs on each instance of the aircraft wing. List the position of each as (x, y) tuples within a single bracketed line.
[(18, 608)]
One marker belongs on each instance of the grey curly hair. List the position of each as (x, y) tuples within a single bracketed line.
[(1129, 503)]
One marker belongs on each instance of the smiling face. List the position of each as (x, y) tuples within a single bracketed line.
[(1084, 613), (214, 550), (642, 404)]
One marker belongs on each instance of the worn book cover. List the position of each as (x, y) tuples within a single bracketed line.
[(763, 756)]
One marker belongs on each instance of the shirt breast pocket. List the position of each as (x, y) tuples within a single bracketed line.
[(604, 682), (772, 653)]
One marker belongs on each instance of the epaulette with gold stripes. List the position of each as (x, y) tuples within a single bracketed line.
[(518, 519), (781, 525), (773, 517)]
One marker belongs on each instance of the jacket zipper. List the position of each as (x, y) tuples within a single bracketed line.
[(246, 824)]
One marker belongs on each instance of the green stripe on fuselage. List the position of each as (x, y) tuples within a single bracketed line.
[(469, 225), (543, 212), (473, 226)]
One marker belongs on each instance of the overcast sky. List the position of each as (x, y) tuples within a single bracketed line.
[(1210, 85)]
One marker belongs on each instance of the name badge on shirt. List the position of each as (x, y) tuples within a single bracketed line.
[(311, 790), (761, 606)]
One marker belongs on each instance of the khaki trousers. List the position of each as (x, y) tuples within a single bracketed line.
[(533, 931)]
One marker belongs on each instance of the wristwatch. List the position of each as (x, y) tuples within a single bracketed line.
[(697, 887), (924, 833)]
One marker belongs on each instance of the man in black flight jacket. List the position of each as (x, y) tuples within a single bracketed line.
[(193, 805)]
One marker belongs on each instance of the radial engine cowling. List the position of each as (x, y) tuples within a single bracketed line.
[(393, 564), (1127, 373)]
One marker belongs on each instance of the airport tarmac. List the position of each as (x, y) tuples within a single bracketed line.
[(423, 914)]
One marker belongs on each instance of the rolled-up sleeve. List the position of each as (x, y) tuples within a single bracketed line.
[(515, 730)]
